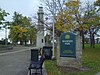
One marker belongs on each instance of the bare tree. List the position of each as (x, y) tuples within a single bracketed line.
[(53, 6)]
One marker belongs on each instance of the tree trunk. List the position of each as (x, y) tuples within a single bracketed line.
[(83, 39), (31, 42), (93, 41), (82, 34), (25, 43), (21, 42)]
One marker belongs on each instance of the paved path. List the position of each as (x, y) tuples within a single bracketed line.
[(16, 48), (15, 62), (97, 73)]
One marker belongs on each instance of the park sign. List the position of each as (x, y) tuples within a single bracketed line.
[(68, 45)]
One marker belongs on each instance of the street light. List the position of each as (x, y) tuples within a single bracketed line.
[(53, 38), (53, 32)]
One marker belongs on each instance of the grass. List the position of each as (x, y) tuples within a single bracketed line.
[(90, 59)]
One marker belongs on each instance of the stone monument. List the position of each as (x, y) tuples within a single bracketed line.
[(69, 51), (40, 42)]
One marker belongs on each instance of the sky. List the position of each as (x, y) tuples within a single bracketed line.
[(25, 7)]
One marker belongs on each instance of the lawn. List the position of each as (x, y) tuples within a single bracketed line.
[(90, 60)]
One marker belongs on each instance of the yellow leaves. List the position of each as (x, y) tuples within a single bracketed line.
[(72, 4), (65, 20), (84, 27), (18, 31), (23, 30)]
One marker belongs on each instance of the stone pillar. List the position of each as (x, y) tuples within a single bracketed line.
[(40, 42), (67, 60), (40, 19)]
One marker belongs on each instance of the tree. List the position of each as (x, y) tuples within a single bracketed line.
[(65, 19), (3, 14), (52, 8), (17, 18), (3, 22), (32, 34), (88, 22), (17, 33), (71, 19), (97, 3), (20, 28), (91, 18)]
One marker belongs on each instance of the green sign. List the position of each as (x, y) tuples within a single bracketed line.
[(68, 45)]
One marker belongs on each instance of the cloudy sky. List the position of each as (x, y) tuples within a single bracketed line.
[(25, 7)]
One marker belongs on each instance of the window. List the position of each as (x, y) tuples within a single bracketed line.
[(42, 40)]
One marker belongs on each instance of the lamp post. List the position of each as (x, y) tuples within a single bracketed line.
[(53, 33), (53, 39)]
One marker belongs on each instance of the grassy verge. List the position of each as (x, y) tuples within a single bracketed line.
[(90, 59)]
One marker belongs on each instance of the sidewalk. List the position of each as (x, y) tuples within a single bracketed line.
[(43, 70)]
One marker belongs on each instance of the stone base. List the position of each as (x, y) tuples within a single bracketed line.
[(69, 62)]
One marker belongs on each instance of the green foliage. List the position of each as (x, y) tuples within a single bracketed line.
[(17, 33), (90, 60), (69, 18), (72, 4), (97, 3), (19, 19), (32, 34), (3, 14), (91, 16), (21, 29)]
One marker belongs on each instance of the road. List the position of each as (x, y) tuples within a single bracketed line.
[(15, 63)]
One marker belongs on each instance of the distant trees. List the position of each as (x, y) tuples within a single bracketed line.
[(21, 29), (3, 14), (92, 17), (70, 19), (68, 16), (18, 33), (3, 22), (97, 3)]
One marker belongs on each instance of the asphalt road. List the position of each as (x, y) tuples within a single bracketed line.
[(15, 63)]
